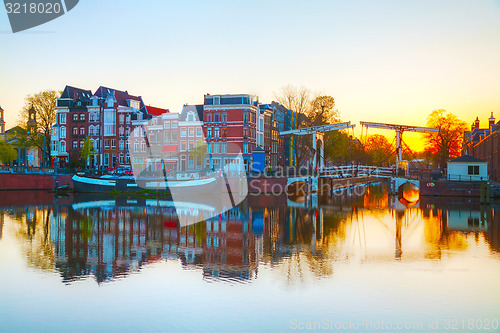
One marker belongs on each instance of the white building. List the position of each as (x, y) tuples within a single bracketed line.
[(467, 168)]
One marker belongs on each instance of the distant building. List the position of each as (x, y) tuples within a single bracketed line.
[(467, 168), (483, 143)]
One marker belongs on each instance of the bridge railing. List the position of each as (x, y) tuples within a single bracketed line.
[(357, 171)]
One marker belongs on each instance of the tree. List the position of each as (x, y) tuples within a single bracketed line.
[(322, 111), (447, 143), (7, 152), (379, 149), (44, 103), (87, 150), (310, 112), (297, 100)]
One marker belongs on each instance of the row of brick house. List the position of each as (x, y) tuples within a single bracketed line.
[(483, 143), (124, 131)]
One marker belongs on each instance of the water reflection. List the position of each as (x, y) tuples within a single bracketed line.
[(111, 237)]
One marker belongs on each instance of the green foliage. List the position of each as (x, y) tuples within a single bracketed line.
[(87, 149), (44, 103), (7, 152)]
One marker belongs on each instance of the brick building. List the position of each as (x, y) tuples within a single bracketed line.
[(483, 143), (230, 128), (104, 117)]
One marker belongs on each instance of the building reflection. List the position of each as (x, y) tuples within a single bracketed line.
[(108, 238)]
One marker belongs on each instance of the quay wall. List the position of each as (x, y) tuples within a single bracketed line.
[(11, 181)]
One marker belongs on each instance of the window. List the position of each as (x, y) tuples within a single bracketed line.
[(106, 159), (216, 148), (183, 132), (245, 118), (82, 130), (82, 116), (136, 147), (209, 132), (143, 146), (63, 147), (183, 145), (127, 145), (113, 144), (127, 119), (81, 144), (174, 136), (121, 118), (223, 118), (167, 136), (121, 131), (136, 132), (191, 131), (75, 116), (122, 145), (106, 143), (62, 133), (75, 130), (191, 162), (245, 133), (209, 118), (166, 124), (216, 132), (223, 148), (97, 130), (245, 148), (224, 132), (62, 118), (91, 130), (216, 117), (174, 123), (473, 169), (55, 145), (198, 132), (110, 103), (191, 145), (120, 159), (75, 144)]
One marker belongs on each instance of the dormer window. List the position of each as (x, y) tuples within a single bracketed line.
[(110, 103)]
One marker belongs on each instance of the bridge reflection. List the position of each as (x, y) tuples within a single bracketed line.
[(112, 237)]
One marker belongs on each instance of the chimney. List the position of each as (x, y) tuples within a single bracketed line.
[(491, 121), (476, 123)]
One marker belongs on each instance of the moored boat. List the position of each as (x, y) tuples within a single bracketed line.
[(124, 184)]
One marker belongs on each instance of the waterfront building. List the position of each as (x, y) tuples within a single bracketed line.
[(104, 117), (483, 143), (467, 168), (71, 128), (114, 110), (230, 123)]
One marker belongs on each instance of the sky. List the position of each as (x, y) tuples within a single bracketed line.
[(382, 61)]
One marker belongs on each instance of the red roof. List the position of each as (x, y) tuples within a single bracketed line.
[(155, 111), (169, 148)]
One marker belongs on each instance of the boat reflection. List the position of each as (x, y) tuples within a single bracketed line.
[(110, 237)]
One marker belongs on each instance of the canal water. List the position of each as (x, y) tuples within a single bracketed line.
[(360, 261)]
